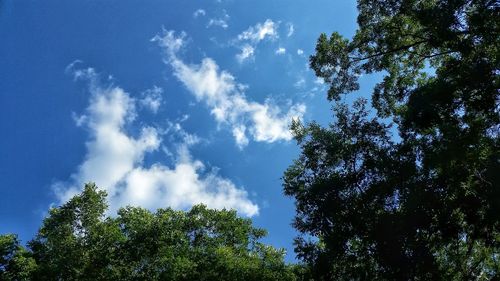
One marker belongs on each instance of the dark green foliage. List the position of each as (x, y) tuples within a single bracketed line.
[(78, 242), (15, 262), (423, 205)]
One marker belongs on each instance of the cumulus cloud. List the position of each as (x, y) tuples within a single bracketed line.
[(300, 52), (280, 51), (115, 161), (218, 89), (250, 38)]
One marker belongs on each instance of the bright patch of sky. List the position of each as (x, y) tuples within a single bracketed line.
[(161, 103)]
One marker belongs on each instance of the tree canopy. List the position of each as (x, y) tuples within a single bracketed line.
[(410, 188), (77, 241)]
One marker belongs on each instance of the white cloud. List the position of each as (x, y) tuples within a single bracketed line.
[(239, 133), (300, 83), (280, 51), (259, 32), (174, 129), (199, 12), (291, 29), (264, 122), (300, 52), (114, 161), (248, 40), (247, 52), (220, 22), (152, 98), (79, 120), (319, 81)]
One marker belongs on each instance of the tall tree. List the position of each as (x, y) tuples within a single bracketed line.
[(78, 242), (423, 204)]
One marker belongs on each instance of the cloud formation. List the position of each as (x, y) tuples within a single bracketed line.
[(247, 52), (115, 160), (291, 29), (263, 122), (250, 38), (199, 12), (152, 99), (280, 51), (259, 32), (220, 22)]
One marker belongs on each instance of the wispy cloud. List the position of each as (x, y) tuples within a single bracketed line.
[(260, 31), (219, 21), (250, 38), (280, 51), (115, 160), (198, 13), (319, 81), (300, 83), (291, 29), (246, 53), (263, 122), (152, 98)]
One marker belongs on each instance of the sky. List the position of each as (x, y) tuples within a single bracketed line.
[(161, 103)]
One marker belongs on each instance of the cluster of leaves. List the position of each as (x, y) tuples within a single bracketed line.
[(15, 262), (423, 204), (77, 242)]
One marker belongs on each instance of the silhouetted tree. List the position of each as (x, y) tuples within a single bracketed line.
[(423, 204)]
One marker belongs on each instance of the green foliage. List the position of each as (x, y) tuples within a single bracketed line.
[(423, 205), (78, 242), (16, 263)]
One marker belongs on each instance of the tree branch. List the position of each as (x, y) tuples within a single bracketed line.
[(388, 51)]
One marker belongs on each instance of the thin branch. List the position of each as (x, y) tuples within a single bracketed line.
[(435, 55), (389, 51)]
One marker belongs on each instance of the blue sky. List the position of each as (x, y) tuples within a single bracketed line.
[(161, 103)]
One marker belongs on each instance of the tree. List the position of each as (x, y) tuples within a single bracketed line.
[(78, 242), (422, 204), (16, 263)]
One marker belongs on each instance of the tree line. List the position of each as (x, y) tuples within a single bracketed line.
[(404, 186)]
